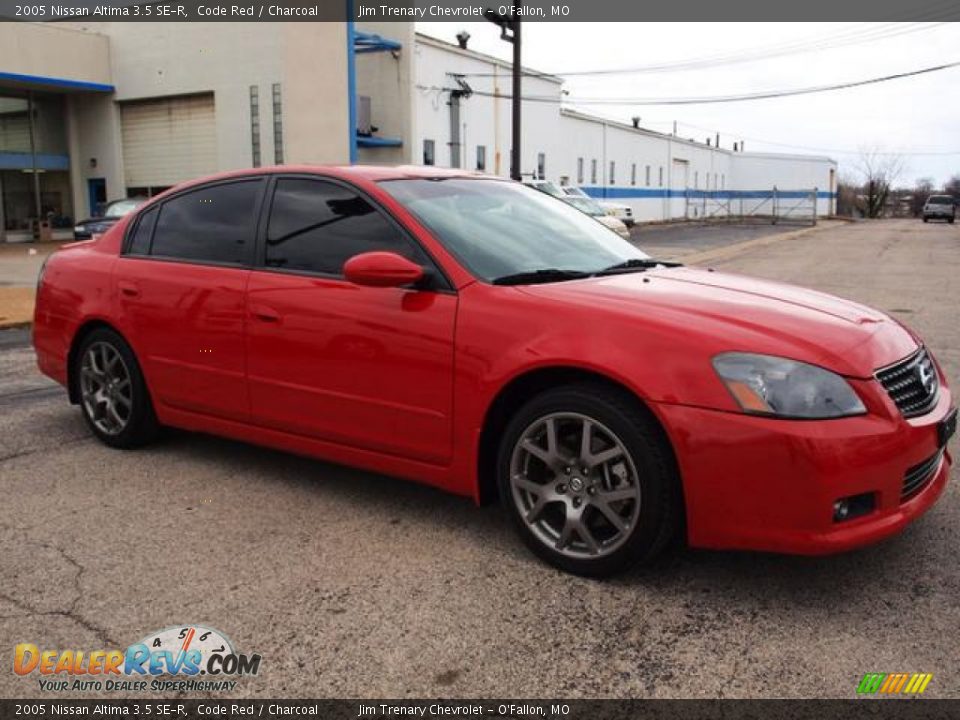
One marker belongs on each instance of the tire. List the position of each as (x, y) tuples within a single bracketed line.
[(926, 219), (636, 480), (113, 395), (950, 220)]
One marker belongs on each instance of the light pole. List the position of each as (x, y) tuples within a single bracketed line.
[(510, 31)]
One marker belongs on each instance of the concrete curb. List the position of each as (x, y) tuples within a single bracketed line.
[(729, 251), (15, 324), (16, 306)]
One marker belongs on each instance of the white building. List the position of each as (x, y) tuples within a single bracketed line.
[(97, 111), (660, 176)]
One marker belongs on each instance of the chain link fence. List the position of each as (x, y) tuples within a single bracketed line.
[(776, 206)]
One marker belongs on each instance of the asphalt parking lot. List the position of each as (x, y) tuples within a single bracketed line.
[(355, 585), (676, 240)]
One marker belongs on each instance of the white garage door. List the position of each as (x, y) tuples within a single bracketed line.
[(679, 182), (168, 141)]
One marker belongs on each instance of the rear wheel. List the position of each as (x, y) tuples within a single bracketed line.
[(588, 480), (113, 396)]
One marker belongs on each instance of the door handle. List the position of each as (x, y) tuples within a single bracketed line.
[(128, 288), (265, 314)]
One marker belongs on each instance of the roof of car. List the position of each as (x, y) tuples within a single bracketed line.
[(372, 173), (366, 172)]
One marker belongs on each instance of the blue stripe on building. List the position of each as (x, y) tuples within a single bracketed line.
[(24, 161), (58, 83), (631, 193)]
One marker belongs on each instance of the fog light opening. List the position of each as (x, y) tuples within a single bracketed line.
[(854, 506)]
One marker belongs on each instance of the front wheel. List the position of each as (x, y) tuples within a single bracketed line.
[(588, 480), (113, 395)]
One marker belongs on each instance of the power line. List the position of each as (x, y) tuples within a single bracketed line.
[(840, 39), (870, 35), (836, 151), (762, 95)]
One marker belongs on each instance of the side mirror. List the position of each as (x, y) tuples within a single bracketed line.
[(382, 269)]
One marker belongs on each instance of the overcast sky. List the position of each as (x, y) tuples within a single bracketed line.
[(912, 115)]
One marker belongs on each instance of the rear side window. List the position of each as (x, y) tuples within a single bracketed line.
[(143, 232), (316, 226), (212, 224)]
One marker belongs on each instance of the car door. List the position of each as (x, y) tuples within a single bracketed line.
[(180, 286), (365, 367)]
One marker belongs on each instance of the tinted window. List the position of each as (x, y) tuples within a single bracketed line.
[(213, 224), (317, 226), (140, 242)]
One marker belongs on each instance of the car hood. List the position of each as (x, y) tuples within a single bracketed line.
[(729, 312)]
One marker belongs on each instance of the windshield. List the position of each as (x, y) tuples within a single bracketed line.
[(119, 208), (547, 187), (586, 205), (575, 192), (498, 228), (940, 200)]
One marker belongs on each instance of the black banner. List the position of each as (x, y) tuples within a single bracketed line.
[(873, 709), (472, 10)]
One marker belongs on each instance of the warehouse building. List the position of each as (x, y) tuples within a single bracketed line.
[(463, 120), (93, 111), (97, 111)]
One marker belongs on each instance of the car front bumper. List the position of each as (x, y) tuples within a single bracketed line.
[(765, 484)]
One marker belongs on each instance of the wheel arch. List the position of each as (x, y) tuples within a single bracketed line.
[(87, 327), (525, 386)]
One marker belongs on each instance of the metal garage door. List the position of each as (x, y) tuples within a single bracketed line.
[(167, 141)]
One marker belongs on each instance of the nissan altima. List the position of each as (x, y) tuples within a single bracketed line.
[(474, 334)]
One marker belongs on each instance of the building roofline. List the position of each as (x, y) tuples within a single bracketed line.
[(790, 156), (483, 57), (620, 125)]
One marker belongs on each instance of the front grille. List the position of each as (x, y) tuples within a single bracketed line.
[(912, 383), (917, 477)]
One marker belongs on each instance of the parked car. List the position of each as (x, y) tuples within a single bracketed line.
[(114, 211), (593, 209), (473, 334), (623, 213), (545, 186), (584, 203), (943, 207)]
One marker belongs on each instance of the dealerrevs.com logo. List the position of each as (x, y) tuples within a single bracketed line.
[(178, 658)]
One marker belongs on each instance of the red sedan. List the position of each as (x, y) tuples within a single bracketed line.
[(485, 338)]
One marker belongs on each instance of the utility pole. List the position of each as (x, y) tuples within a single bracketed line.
[(510, 32)]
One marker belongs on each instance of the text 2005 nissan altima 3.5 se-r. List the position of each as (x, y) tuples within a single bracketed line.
[(480, 336)]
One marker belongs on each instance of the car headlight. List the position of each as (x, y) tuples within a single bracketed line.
[(767, 385), (80, 228)]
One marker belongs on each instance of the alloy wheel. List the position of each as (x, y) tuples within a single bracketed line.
[(575, 485), (106, 388)]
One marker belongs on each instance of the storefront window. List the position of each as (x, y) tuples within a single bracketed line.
[(44, 156)]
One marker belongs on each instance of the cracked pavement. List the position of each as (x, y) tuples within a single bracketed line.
[(350, 584)]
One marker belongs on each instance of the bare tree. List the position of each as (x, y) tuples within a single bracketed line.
[(878, 170), (848, 196), (952, 186)]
